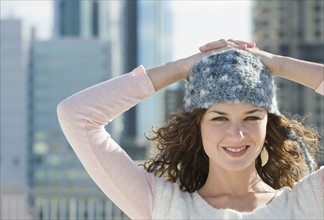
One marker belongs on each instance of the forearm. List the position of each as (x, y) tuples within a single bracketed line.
[(303, 72), (83, 116), (164, 75), (172, 72)]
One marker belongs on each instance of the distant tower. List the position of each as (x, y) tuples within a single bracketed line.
[(61, 188), (115, 21), (140, 33), (296, 29), (14, 138), (76, 18), (154, 48)]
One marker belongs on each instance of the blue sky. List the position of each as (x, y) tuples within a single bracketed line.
[(195, 22)]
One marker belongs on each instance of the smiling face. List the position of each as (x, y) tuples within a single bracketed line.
[(233, 135)]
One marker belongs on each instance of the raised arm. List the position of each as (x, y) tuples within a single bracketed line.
[(83, 117), (303, 72)]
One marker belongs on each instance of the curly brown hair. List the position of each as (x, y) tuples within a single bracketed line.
[(182, 159)]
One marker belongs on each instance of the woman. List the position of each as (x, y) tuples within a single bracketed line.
[(214, 171)]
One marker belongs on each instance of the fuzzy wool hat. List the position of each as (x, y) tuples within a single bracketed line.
[(231, 76)]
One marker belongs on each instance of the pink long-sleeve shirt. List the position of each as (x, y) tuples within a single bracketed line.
[(83, 117)]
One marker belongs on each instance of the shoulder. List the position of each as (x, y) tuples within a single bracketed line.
[(309, 193), (169, 200), (312, 182), (167, 191), (303, 201)]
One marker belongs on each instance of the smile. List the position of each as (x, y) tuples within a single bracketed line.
[(236, 151)]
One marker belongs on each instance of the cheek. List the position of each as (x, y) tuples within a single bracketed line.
[(259, 132), (211, 135)]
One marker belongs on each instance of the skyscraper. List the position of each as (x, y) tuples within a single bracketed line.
[(61, 188), (296, 29), (154, 48), (14, 47), (76, 18), (117, 22), (140, 33)]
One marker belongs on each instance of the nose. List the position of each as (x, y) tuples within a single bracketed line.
[(236, 131)]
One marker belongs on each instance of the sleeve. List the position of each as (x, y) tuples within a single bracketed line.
[(83, 117), (320, 88), (310, 194)]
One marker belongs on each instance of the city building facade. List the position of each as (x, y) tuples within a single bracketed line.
[(93, 41), (154, 48), (14, 47), (295, 29), (60, 186), (76, 18)]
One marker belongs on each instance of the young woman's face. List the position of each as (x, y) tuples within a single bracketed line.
[(233, 135)]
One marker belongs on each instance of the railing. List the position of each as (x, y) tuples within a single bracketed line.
[(71, 205)]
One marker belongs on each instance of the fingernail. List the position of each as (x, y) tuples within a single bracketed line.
[(202, 48)]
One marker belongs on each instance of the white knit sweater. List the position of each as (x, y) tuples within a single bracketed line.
[(303, 201)]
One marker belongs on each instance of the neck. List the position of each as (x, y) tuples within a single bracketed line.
[(233, 183)]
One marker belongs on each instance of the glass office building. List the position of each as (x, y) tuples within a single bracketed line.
[(61, 188), (14, 45), (154, 48)]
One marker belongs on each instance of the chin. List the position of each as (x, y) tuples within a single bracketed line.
[(237, 167)]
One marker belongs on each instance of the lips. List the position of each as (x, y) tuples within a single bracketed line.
[(236, 151)]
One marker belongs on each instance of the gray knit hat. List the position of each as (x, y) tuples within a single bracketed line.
[(231, 76)]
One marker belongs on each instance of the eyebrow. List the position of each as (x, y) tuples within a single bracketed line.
[(246, 113)]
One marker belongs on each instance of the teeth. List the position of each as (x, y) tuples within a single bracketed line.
[(235, 150)]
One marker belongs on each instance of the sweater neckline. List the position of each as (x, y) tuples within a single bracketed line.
[(269, 205)]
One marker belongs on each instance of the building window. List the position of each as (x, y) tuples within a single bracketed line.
[(318, 33), (16, 162), (317, 8), (317, 20)]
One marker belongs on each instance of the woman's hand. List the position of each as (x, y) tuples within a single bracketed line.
[(303, 72), (209, 48), (239, 44), (171, 72), (271, 61), (309, 74)]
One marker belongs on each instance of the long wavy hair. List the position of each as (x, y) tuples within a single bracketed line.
[(181, 158)]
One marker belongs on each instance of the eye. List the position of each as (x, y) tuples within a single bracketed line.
[(252, 118), (220, 118)]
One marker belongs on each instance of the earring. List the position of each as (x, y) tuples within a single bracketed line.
[(264, 156)]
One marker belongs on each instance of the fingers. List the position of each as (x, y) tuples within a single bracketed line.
[(226, 43), (240, 42), (214, 45)]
